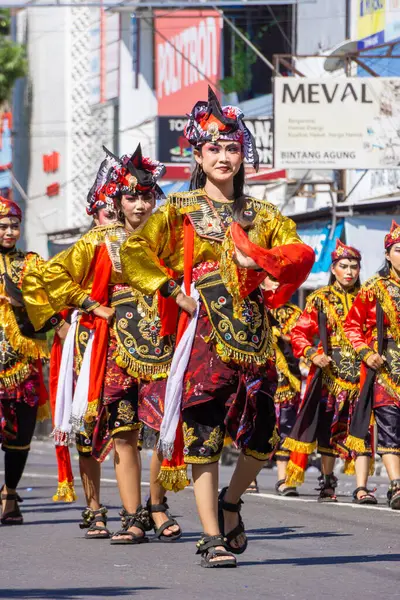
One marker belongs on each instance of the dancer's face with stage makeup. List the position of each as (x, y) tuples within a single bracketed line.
[(346, 272), (10, 231), (137, 208), (393, 256), (220, 160), (105, 216)]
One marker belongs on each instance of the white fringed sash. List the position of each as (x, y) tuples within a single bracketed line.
[(174, 389), (63, 408), (71, 407)]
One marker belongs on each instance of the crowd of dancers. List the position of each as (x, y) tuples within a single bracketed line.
[(178, 321)]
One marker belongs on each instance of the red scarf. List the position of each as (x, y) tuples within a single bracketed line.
[(173, 473), (290, 264), (102, 275), (65, 491)]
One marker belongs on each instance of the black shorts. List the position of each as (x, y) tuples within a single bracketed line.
[(204, 431), (286, 413), (388, 425)]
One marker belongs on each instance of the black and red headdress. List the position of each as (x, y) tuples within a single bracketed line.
[(209, 122), (96, 199), (133, 175)]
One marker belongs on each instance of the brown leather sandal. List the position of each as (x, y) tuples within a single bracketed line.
[(13, 517), (367, 498)]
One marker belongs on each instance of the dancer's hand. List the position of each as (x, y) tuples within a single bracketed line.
[(105, 312), (63, 330), (186, 303), (10, 300), (269, 284), (244, 261), (375, 361), (321, 360)]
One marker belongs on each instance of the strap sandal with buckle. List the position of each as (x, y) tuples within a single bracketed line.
[(393, 494), (139, 519), (287, 490), (211, 556), (87, 518), (160, 531), (367, 497), (13, 517), (238, 530), (253, 488), (327, 486), (122, 513), (95, 531)]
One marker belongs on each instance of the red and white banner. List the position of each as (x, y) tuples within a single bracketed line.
[(188, 57)]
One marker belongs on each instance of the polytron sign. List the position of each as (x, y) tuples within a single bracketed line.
[(187, 51)]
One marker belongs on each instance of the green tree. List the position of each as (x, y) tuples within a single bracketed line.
[(5, 21), (242, 60), (13, 63)]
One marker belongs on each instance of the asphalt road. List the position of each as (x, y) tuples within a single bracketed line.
[(297, 547)]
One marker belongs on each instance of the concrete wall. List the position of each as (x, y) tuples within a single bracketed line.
[(54, 114), (47, 48)]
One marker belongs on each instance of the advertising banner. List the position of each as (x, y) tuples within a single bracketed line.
[(370, 23), (187, 58), (346, 123), (392, 20), (173, 147)]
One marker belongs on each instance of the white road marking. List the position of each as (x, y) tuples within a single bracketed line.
[(260, 495), (314, 500)]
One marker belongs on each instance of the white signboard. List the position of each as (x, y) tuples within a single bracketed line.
[(343, 123)]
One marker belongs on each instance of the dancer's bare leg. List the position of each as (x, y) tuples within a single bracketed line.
[(128, 473), (247, 469), (90, 472), (205, 482), (157, 493)]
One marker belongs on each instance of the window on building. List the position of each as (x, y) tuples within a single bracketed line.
[(270, 29)]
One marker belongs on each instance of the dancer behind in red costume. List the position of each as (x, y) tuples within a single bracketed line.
[(372, 326), (333, 381)]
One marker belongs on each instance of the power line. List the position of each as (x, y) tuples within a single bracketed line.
[(154, 4), (248, 42)]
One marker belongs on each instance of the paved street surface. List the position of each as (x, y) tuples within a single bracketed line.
[(297, 547)]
